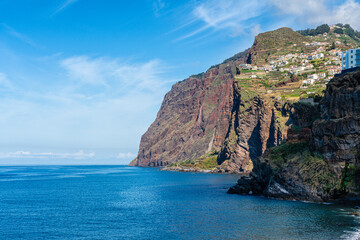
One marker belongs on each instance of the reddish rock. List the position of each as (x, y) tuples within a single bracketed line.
[(210, 112), (193, 119)]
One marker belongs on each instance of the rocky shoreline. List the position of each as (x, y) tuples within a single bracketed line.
[(224, 121), (196, 170), (187, 169), (326, 168)]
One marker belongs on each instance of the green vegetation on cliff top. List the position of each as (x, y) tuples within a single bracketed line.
[(206, 161)]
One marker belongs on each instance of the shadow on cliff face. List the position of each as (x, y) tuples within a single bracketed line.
[(321, 159), (255, 143), (271, 142)]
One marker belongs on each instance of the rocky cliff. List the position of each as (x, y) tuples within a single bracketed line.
[(226, 119), (207, 114), (192, 120), (322, 162), (212, 114)]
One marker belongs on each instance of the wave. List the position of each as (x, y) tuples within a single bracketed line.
[(352, 235)]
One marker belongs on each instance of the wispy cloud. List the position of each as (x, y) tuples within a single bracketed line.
[(110, 72), (256, 30), (158, 5), (218, 15), (90, 103), (47, 155), (4, 81), (85, 70), (126, 155), (66, 4), (11, 31), (237, 17)]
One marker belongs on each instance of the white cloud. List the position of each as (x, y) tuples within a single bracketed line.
[(321, 11), (66, 112), (64, 5), (224, 15), (126, 155), (349, 12), (47, 155), (244, 17), (4, 81), (256, 30), (110, 72), (86, 70), (296, 7)]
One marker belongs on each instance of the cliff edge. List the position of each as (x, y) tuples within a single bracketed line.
[(321, 160)]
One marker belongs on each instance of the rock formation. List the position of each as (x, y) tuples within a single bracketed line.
[(224, 122), (192, 120), (212, 112), (269, 43), (325, 168)]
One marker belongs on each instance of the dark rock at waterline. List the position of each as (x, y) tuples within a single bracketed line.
[(321, 165)]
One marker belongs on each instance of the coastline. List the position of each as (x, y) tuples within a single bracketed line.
[(198, 170), (351, 202)]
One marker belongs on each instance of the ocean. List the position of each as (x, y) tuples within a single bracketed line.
[(121, 202)]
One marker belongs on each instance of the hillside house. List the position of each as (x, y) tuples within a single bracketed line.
[(308, 81), (322, 75), (350, 58), (313, 76)]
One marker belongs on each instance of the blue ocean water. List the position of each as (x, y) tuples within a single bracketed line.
[(120, 202)]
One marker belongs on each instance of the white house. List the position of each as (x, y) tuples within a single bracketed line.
[(313, 76), (308, 81), (322, 75)]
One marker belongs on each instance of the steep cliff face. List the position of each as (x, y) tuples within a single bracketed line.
[(226, 118), (211, 113), (192, 120), (321, 164), (214, 115), (252, 129), (337, 135)]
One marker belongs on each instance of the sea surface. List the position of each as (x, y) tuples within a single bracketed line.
[(120, 202)]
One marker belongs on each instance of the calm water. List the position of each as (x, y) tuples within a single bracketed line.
[(119, 202)]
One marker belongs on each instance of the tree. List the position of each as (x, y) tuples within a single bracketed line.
[(333, 45), (312, 32), (351, 32), (338, 31), (322, 29), (307, 32)]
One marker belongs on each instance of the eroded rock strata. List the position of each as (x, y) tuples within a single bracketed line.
[(214, 113), (318, 165), (225, 121)]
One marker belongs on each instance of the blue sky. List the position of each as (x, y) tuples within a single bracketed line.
[(81, 80)]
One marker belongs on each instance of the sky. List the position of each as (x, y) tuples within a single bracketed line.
[(82, 80)]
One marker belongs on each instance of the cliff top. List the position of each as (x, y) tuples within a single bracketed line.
[(278, 38)]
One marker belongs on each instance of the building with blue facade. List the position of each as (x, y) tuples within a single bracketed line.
[(350, 59)]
